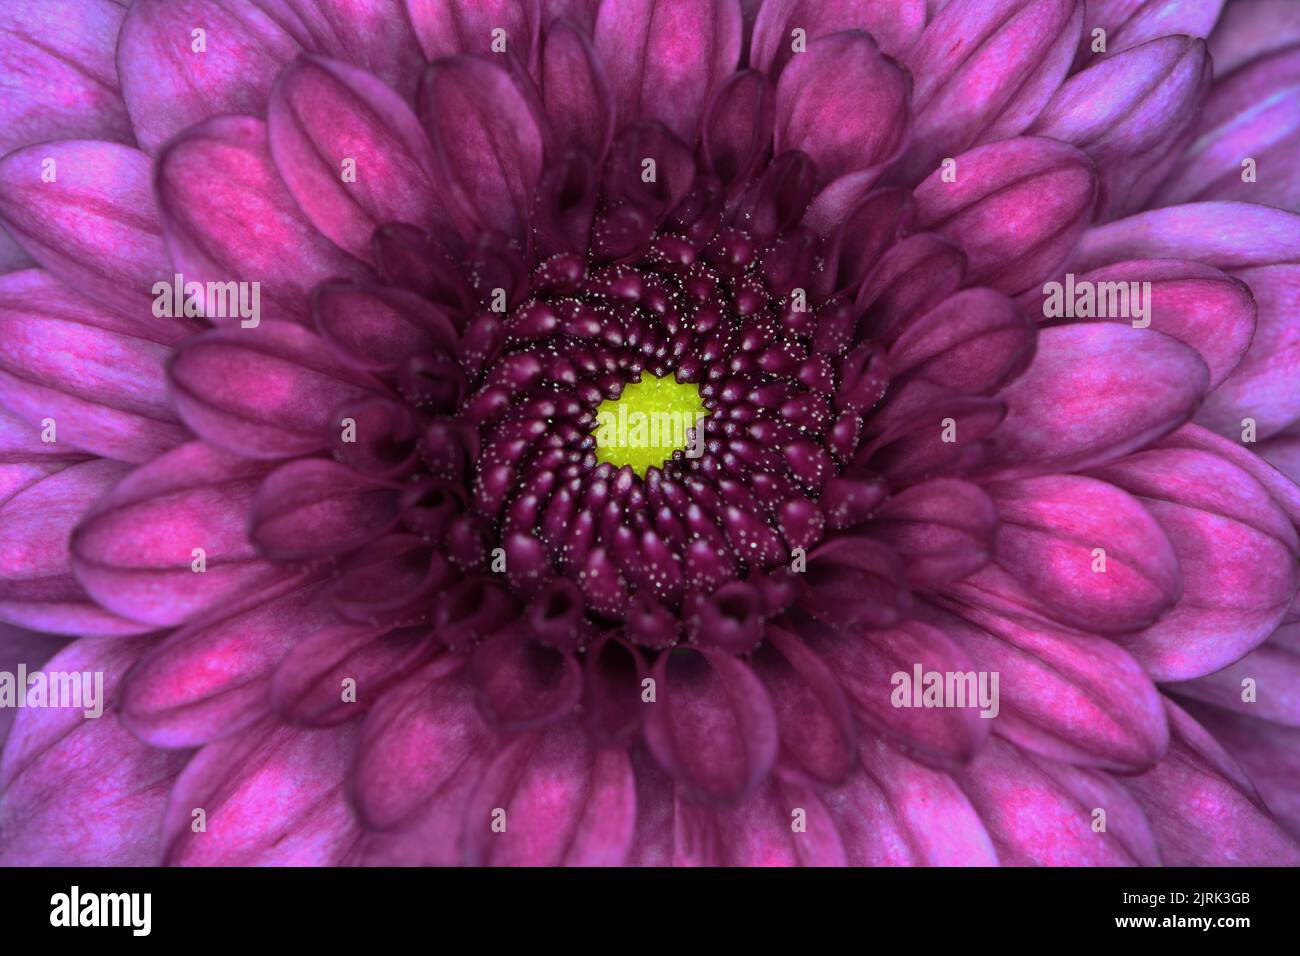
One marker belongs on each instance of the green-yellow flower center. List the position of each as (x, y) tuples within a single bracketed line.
[(649, 421)]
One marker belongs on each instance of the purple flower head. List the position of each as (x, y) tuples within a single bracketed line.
[(332, 333)]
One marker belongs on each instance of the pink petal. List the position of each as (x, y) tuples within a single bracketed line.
[(896, 812), (712, 725), (324, 114), (1237, 551), (272, 796), (1251, 113), (664, 62), (312, 508), (1063, 694), (575, 93), (94, 227), (214, 180), (211, 679), (1017, 208), (1129, 23), (61, 81), (865, 663), (83, 792), (1125, 110), (1262, 386), (1050, 530), (37, 588), (845, 104), (487, 140), (105, 390), (565, 802), (269, 392), (168, 86), (972, 342), (1207, 309), (1036, 817), (1275, 671), (984, 69), (1095, 392), (1203, 810), (942, 529), (1226, 235), (134, 548), (895, 26), (449, 27), (1250, 29)]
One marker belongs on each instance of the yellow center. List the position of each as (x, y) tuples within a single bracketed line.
[(649, 421)]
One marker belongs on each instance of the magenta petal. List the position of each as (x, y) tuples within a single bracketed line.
[(575, 93), (563, 803), (1064, 694), (1050, 530), (761, 831), (972, 342), (61, 79), (94, 227), (312, 508), (1252, 28), (78, 791), (1226, 235), (310, 686), (896, 812), (895, 25), (135, 548), (326, 118), (215, 179), (211, 678), (1037, 816), (373, 35), (1251, 113), (984, 69), (845, 104), (664, 62), (1209, 310), (1236, 549), (272, 796), (375, 327), (449, 27), (1095, 392), (818, 739), (1275, 670), (422, 745), (1268, 752), (942, 529), (1017, 208), (866, 663), (269, 392), (1129, 23), (912, 277), (737, 128), (105, 391), (37, 587), (711, 725), (20, 646), (1202, 808), (1262, 386), (168, 85), (487, 138), (522, 684), (1126, 110)]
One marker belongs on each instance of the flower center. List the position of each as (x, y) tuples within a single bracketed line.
[(649, 422)]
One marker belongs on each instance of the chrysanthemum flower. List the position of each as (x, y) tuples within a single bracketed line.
[(368, 584)]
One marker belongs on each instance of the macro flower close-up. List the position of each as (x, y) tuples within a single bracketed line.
[(650, 432)]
